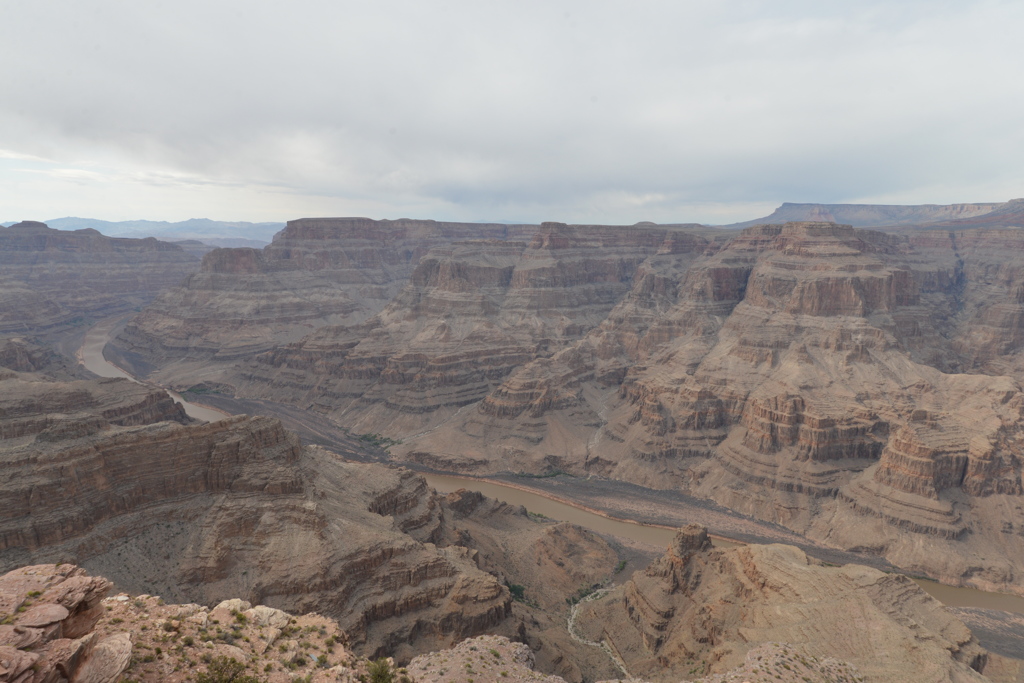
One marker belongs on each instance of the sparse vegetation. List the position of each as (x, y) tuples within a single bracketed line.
[(380, 671), (542, 475), (581, 593), (518, 591), (225, 670), (379, 440)]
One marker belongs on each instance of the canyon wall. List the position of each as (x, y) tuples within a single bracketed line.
[(52, 279), (856, 386), (860, 387), (471, 314), (316, 272), (113, 476), (103, 473)]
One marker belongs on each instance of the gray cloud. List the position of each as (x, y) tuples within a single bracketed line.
[(598, 111)]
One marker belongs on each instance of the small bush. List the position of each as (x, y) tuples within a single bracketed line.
[(225, 670), (380, 672)]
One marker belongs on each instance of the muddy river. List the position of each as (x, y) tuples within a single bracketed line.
[(91, 355)]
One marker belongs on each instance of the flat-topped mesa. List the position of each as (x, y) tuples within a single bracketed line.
[(875, 215), (67, 274), (317, 272)]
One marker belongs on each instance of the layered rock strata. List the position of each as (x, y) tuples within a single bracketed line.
[(473, 313), (702, 609), (316, 272), (113, 476), (856, 386), (52, 279), (48, 618), (853, 385), (93, 472)]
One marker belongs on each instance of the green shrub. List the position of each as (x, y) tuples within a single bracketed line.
[(225, 670), (380, 672)]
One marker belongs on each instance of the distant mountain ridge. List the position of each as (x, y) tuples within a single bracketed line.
[(215, 233), (882, 215)]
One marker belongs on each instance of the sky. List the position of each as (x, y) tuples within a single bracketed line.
[(582, 112)]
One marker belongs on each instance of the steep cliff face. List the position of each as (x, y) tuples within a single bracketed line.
[(700, 610), (51, 278), (317, 272), (809, 374), (93, 473), (472, 313)]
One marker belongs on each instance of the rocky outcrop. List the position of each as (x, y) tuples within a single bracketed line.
[(52, 279), (48, 617), (493, 659), (701, 609), (485, 659), (317, 272), (59, 627)]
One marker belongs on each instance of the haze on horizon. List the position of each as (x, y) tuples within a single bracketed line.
[(576, 111)]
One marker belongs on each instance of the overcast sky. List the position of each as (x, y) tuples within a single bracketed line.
[(609, 112)]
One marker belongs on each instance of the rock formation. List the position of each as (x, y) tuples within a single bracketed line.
[(472, 313), (59, 628), (482, 659), (855, 386), (111, 475), (94, 473), (316, 272), (700, 610), (48, 617), (52, 279)]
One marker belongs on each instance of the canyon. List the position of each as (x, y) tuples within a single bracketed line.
[(51, 279), (855, 388)]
